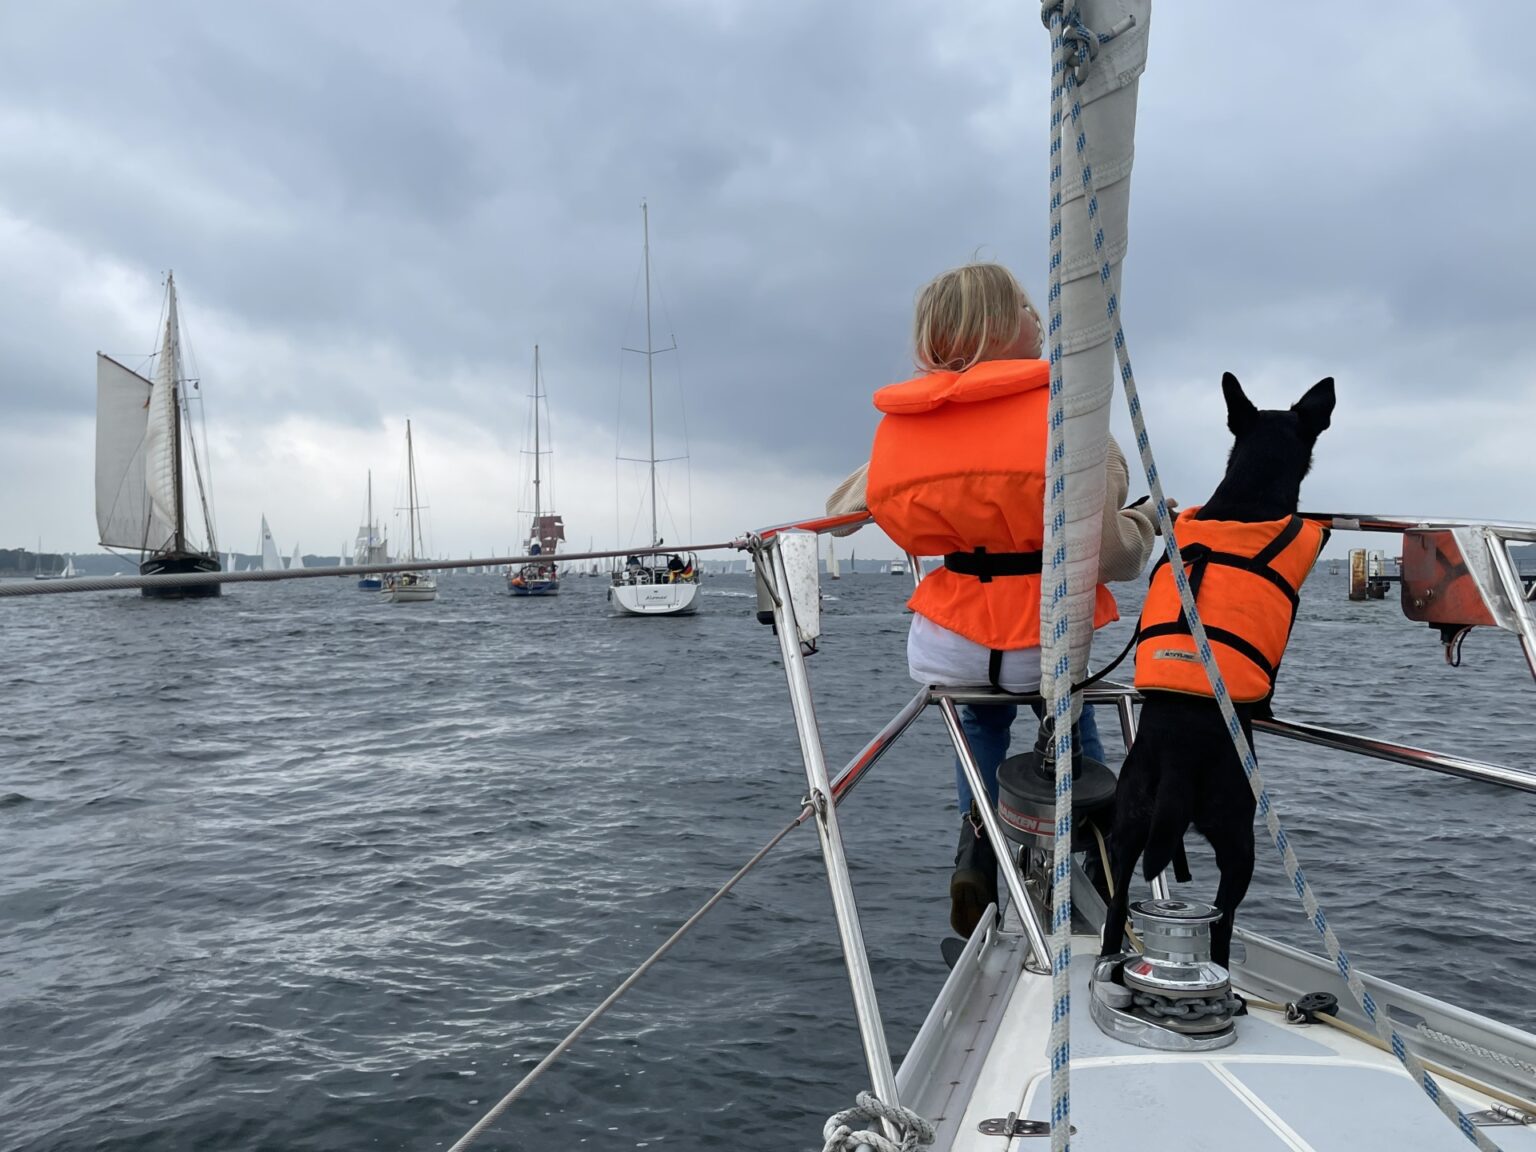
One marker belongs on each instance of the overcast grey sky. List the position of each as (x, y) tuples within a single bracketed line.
[(374, 210)]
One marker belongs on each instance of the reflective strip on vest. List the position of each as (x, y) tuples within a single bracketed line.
[(1247, 581)]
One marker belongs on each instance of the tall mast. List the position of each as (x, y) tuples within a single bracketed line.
[(535, 440), (369, 557), (410, 489), (650, 355), (172, 345)]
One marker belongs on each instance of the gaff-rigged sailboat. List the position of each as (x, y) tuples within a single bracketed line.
[(372, 546), (657, 585), (143, 443), (407, 587), (541, 577)]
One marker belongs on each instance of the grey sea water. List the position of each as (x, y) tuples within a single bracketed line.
[(296, 869)]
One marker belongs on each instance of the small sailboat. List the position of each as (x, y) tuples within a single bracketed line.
[(372, 547), (143, 441), (63, 573), (833, 571), (407, 587), (297, 561), (654, 586), (271, 561), (542, 577)]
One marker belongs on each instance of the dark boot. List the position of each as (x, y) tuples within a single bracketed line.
[(974, 883)]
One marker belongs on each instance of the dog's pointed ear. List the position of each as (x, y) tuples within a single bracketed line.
[(1241, 412), (1316, 407)]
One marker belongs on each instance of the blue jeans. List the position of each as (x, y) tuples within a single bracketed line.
[(988, 729)]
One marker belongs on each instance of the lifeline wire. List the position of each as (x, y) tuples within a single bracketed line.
[(629, 982), (1250, 764)]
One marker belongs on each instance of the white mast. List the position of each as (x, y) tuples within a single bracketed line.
[(410, 492), (536, 441), (650, 355)]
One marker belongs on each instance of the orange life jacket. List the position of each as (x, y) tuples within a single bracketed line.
[(958, 470), (1246, 579)]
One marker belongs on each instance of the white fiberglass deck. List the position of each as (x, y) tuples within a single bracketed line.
[(1279, 1087)]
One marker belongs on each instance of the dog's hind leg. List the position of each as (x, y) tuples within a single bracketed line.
[(1133, 816), (1233, 845), (1170, 820)]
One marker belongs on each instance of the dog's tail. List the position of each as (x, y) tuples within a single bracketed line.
[(1165, 837)]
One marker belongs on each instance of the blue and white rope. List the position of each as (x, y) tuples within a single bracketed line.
[(1064, 78), (1054, 637)]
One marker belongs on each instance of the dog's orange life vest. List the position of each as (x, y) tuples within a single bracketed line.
[(958, 470), (1246, 579)]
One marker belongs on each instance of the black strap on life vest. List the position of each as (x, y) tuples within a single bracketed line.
[(986, 566)]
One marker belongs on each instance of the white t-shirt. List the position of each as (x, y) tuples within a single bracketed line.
[(935, 655)]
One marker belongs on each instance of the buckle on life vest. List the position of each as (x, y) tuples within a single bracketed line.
[(986, 566)]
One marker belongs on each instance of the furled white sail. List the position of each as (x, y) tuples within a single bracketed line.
[(125, 516), (161, 451), (1107, 94), (270, 560)]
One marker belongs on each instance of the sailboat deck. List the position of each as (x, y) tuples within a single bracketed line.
[(981, 1056)]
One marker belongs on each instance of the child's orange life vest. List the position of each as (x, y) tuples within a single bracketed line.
[(958, 470)]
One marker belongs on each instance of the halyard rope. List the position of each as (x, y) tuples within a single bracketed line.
[(1064, 89), (1055, 642)]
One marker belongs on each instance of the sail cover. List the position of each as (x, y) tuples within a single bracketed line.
[(1107, 94), (126, 517)]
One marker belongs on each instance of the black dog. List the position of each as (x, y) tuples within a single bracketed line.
[(1182, 768)]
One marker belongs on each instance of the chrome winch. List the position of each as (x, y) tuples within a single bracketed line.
[(1170, 995)]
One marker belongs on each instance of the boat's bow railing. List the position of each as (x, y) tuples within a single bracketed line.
[(787, 568), (1458, 574)]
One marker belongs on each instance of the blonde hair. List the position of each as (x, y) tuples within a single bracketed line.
[(970, 314)]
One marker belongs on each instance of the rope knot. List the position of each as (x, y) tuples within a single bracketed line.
[(841, 1136), (1077, 39)]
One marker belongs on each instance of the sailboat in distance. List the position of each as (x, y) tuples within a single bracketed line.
[(372, 547), (658, 585), (144, 443), (406, 587), (271, 561), (542, 577)]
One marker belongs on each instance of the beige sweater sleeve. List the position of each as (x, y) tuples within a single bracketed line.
[(849, 496), (1125, 545)]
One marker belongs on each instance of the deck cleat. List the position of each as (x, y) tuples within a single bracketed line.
[(1171, 995)]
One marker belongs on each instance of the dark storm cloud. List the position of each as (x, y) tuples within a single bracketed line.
[(439, 187)]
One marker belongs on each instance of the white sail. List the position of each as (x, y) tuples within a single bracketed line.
[(125, 517), (162, 456), (833, 571), (298, 560), (270, 560)]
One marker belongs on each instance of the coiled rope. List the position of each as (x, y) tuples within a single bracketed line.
[(841, 1136), (1064, 80)]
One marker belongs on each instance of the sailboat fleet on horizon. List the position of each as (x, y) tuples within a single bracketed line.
[(150, 468)]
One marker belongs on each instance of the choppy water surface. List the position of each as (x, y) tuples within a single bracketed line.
[(296, 869)]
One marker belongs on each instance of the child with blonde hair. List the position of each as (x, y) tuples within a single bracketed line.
[(958, 470)]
